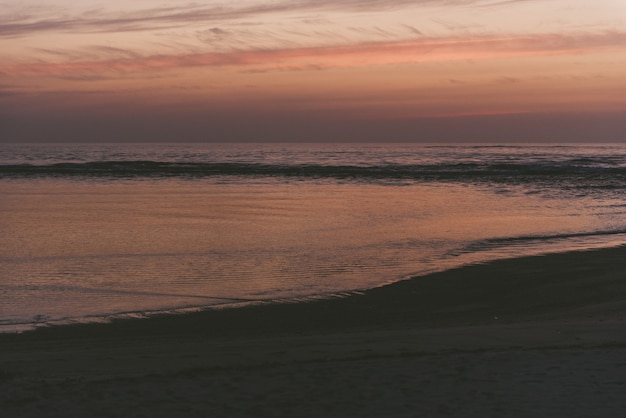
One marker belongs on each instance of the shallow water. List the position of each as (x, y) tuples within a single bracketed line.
[(86, 247)]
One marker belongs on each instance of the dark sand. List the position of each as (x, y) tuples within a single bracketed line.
[(530, 337)]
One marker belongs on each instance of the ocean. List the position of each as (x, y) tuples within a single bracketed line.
[(92, 232)]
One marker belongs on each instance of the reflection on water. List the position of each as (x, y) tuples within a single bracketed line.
[(73, 249)]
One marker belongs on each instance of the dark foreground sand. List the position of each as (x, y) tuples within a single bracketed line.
[(531, 337)]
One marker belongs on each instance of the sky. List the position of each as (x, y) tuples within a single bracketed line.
[(313, 70)]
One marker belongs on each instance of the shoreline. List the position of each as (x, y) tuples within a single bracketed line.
[(511, 290), (552, 321)]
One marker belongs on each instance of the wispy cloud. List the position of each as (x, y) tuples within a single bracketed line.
[(507, 80), (496, 3), (349, 55), (7, 92), (28, 23)]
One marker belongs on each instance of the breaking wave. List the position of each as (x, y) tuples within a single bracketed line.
[(505, 172)]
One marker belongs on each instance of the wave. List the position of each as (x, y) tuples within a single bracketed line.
[(424, 172), (526, 240)]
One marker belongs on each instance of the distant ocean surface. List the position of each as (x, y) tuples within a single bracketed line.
[(92, 232)]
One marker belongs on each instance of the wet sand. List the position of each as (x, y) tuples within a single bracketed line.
[(528, 337)]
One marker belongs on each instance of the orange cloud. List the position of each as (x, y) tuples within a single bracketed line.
[(356, 55)]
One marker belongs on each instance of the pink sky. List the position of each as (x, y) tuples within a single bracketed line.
[(371, 70)]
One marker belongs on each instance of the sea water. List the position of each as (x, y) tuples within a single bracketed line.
[(91, 232)]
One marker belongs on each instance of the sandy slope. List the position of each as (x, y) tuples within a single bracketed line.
[(541, 336)]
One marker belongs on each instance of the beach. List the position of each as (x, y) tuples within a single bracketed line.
[(532, 336), (313, 209)]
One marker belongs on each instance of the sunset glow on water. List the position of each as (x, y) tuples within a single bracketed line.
[(84, 241), (385, 208)]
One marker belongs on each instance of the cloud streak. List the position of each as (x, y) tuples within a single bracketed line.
[(350, 55), (175, 17)]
